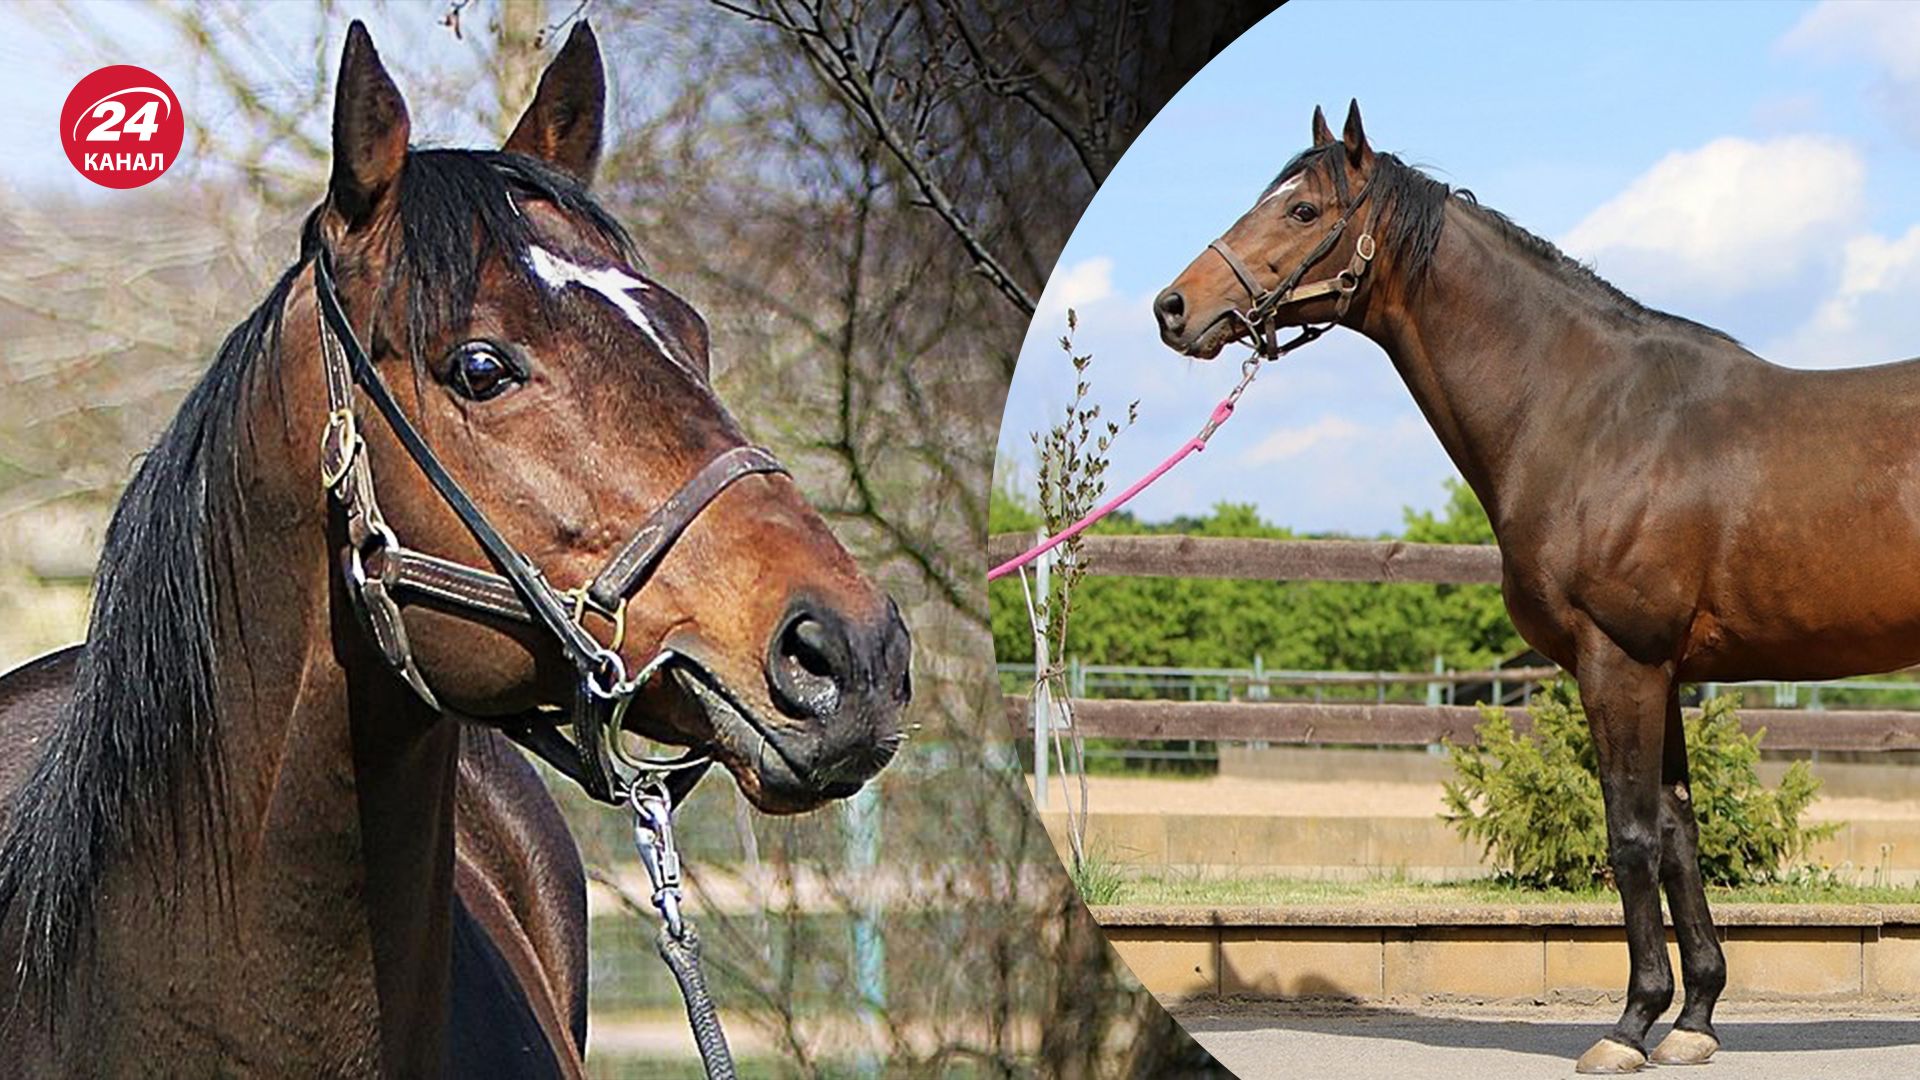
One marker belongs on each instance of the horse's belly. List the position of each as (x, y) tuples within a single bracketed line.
[(1823, 618)]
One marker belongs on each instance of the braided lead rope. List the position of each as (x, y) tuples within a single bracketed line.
[(677, 942), (682, 955)]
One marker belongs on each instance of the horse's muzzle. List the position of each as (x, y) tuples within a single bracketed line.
[(842, 684)]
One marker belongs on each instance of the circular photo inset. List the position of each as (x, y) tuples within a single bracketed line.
[(1451, 536)]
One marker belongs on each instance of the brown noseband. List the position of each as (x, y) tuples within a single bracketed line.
[(379, 568)]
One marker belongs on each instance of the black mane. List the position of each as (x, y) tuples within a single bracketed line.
[(134, 759), (1414, 206)]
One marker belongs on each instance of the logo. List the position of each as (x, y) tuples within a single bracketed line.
[(121, 126)]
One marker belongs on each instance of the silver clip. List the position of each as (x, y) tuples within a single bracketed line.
[(653, 838)]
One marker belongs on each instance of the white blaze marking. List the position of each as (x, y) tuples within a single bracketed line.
[(611, 282), (1283, 189)]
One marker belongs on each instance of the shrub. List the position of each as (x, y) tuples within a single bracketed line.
[(1533, 799)]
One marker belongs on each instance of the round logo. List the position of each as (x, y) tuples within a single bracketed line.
[(121, 126)]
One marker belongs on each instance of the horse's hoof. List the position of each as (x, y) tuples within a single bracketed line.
[(1607, 1056), (1685, 1048)]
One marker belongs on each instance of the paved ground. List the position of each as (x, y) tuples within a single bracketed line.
[(1799, 1043)]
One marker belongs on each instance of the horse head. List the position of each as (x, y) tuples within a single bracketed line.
[(1270, 269), (566, 394)]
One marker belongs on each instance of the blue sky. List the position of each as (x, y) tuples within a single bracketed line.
[(1776, 144)]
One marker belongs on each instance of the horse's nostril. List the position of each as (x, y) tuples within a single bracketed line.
[(1171, 307), (809, 646), (808, 666)]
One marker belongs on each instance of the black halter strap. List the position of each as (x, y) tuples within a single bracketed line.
[(379, 568), (1260, 317)]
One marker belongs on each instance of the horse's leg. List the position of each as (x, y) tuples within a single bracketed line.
[(1626, 709), (1692, 1040)]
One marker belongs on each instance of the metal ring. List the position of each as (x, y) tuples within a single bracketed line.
[(607, 662), (356, 569), (379, 538)]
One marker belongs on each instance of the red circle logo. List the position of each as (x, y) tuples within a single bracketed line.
[(121, 126)]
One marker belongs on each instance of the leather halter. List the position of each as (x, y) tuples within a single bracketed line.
[(1259, 318), (380, 569)]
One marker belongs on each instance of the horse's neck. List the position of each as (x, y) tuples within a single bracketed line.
[(1489, 342), (354, 835), (333, 951)]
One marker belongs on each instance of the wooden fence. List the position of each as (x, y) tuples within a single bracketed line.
[(1363, 723), (1275, 560), (1420, 725)]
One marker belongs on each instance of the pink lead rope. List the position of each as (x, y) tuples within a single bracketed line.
[(1221, 413)]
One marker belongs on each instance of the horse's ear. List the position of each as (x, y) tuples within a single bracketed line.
[(562, 126), (370, 130), (1359, 154), (1322, 134)]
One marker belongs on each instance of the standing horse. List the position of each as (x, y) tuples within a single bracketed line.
[(1650, 533), (264, 820)]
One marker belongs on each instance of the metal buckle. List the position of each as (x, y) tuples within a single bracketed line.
[(582, 602), (340, 424), (1364, 247)]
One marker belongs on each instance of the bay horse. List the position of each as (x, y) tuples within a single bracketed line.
[(1650, 532), (265, 820)]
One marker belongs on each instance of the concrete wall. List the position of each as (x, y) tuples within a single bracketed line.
[(1358, 848), (1575, 953), (1882, 775)]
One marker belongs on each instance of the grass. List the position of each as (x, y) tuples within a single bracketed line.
[(1099, 879), (1177, 891)]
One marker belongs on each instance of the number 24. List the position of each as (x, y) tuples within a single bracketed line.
[(144, 122)]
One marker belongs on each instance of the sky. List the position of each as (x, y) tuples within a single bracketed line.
[(45, 48), (1752, 166), (1776, 144)]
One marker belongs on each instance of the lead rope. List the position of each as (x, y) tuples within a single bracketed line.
[(677, 942), (1220, 415), (1263, 334)]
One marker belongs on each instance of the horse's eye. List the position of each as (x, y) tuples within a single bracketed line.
[(481, 372), (1304, 212)]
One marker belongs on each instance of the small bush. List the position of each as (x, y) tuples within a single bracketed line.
[(1533, 800)]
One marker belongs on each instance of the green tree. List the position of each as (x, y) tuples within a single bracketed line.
[(1308, 625)]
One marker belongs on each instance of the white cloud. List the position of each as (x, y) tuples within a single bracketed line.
[(1870, 317), (1884, 35), (1292, 442), (1734, 215), (1887, 34), (1086, 282)]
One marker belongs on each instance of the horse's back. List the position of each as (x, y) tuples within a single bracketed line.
[(519, 878), (32, 697)]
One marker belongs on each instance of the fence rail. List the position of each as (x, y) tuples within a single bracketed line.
[(1363, 723), (1275, 560), (1421, 725)]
